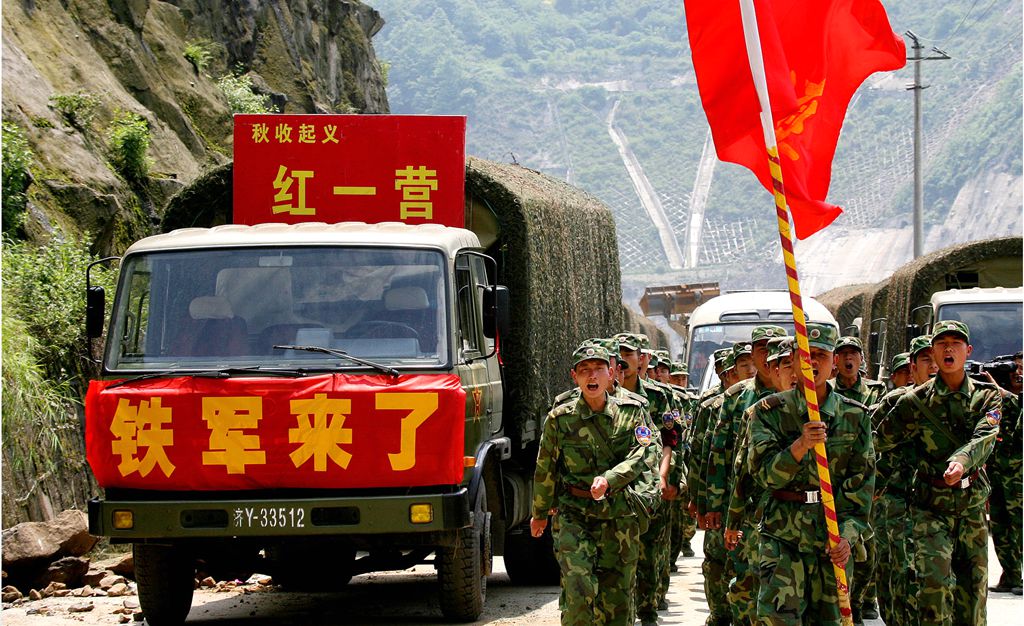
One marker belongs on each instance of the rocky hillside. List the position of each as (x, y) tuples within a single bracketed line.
[(109, 108), (122, 56)]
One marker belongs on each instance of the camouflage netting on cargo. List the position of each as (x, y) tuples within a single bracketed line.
[(557, 252), (997, 263), (846, 303)]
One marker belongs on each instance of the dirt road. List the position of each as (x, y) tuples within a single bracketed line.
[(407, 598)]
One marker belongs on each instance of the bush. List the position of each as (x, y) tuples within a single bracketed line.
[(45, 288), (77, 108), (128, 140), (198, 53), (16, 158), (241, 97)]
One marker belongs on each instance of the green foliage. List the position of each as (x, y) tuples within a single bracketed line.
[(41, 122), (199, 54), (77, 109), (241, 97), (44, 288), (36, 408), (17, 156), (128, 140)]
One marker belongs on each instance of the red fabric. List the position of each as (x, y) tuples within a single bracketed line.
[(807, 45), (159, 434)]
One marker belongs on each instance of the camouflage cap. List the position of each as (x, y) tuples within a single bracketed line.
[(822, 336), (645, 343), (653, 362), (955, 327), (766, 331), (629, 341), (718, 357), (586, 353), (678, 368), (729, 361), (848, 341), (663, 356), (608, 343), (776, 347), (921, 342), (900, 360), (740, 348)]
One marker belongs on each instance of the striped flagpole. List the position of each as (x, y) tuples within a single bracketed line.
[(752, 39)]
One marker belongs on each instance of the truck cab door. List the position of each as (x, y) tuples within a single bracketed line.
[(476, 361)]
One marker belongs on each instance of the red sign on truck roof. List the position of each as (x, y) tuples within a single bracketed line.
[(340, 168)]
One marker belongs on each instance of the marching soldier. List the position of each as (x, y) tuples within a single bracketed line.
[(684, 524), (713, 565), (719, 475), (894, 483), (899, 370), (653, 565), (1005, 504), (946, 429), (591, 452), (797, 582), (850, 383)]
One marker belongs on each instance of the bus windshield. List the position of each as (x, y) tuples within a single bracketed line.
[(706, 339), (995, 326)]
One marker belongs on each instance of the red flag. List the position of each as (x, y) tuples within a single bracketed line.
[(816, 54)]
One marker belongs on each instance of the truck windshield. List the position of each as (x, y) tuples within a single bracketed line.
[(706, 339), (229, 307), (995, 326)]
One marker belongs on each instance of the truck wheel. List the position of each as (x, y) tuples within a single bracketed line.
[(530, 561), (463, 568), (166, 578)]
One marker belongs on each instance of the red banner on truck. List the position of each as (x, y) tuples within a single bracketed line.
[(332, 431), (341, 168)]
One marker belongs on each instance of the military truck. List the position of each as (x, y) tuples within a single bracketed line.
[(317, 400)]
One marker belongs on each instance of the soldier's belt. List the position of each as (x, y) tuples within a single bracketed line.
[(963, 483), (580, 492), (804, 497)]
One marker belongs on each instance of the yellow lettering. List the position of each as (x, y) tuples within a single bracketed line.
[(420, 407)]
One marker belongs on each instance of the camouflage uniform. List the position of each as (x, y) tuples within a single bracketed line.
[(684, 525), (713, 566), (1005, 506), (931, 426), (797, 584), (596, 542), (868, 392), (894, 483), (653, 566)]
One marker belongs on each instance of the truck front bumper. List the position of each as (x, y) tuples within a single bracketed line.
[(375, 515)]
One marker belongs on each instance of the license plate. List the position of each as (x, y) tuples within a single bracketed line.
[(270, 517)]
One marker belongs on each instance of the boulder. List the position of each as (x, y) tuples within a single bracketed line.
[(30, 543), (68, 570), (125, 567)]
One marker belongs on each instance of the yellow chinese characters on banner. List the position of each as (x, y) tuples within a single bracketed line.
[(146, 425), (342, 168), (321, 432), (420, 407), (229, 418)]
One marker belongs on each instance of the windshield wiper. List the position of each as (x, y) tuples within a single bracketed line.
[(390, 371), (223, 372)]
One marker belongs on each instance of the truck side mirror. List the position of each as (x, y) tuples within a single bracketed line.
[(913, 330), (497, 311), (95, 307)]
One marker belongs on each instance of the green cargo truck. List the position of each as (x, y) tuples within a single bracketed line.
[(322, 400)]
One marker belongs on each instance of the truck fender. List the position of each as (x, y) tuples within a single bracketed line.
[(490, 451)]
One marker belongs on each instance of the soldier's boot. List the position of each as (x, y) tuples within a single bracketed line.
[(687, 549), (1003, 586)]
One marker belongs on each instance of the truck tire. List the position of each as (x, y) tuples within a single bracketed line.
[(166, 578), (463, 568), (531, 561)]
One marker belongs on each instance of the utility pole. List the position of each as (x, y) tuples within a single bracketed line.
[(917, 88)]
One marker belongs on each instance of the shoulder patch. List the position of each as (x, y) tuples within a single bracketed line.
[(850, 401), (629, 399), (736, 389), (769, 403), (626, 393), (563, 409)]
